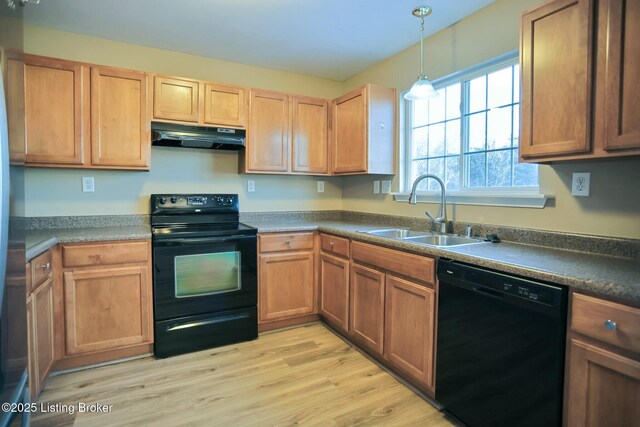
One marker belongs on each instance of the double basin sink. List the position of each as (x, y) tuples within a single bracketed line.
[(423, 237)]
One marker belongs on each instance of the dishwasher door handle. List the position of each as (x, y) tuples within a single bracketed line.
[(488, 292)]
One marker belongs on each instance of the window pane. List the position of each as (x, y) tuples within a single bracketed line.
[(499, 128), (436, 167), (453, 137), (499, 168), (453, 101), (420, 113), (478, 94), (436, 107), (193, 274), (476, 170), (477, 132), (516, 83), (516, 125), (500, 87), (419, 167), (524, 174), (419, 142), (453, 173), (436, 140)]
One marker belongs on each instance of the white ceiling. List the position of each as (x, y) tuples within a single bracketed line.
[(334, 39)]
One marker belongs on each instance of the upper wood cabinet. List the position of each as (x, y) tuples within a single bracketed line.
[(196, 102), (579, 88), (82, 116), (55, 110), (363, 131), (119, 125), (286, 134)]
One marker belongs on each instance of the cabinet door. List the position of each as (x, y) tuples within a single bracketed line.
[(620, 85), (119, 125), (349, 152), (409, 328), (286, 286), (334, 291), (43, 324), (268, 133), (54, 111), (309, 135), (604, 388), (224, 105), (176, 99), (366, 323), (106, 308), (556, 63), (32, 368)]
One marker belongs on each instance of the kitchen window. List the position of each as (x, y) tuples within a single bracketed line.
[(469, 135)]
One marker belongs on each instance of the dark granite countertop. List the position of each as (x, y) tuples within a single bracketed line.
[(38, 241), (613, 277)]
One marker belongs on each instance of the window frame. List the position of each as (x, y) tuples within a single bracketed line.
[(522, 196)]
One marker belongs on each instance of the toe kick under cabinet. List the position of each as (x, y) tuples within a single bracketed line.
[(106, 301)]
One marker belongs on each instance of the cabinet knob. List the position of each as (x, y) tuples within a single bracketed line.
[(287, 243), (331, 245), (46, 266), (610, 325)]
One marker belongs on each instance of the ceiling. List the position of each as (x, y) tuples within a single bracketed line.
[(333, 39)]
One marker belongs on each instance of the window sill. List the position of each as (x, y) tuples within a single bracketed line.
[(512, 200)]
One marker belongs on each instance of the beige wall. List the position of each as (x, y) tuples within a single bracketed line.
[(613, 209), (172, 170)]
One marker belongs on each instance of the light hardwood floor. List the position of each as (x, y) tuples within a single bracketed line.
[(303, 376)]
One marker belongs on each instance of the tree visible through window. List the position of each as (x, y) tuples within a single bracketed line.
[(469, 135)]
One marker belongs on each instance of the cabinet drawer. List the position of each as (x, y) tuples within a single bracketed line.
[(410, 265), (104, 254), (334, 245), (41, 268), (285, 242), (590, 316)]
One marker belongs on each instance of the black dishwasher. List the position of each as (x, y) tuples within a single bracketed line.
[(500, 347)]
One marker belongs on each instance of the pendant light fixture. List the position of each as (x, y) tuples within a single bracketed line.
[(422, 88)]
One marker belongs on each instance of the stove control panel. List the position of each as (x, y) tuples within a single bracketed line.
[(194, 202)]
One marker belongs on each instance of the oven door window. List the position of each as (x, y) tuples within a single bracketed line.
[(207, 274)]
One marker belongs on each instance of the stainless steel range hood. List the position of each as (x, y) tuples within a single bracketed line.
[(172, 135)]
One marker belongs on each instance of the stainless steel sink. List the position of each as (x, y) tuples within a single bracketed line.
[(397, 233), (442, 240)]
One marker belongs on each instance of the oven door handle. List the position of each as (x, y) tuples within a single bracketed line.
[(178, 326), (198, 240)]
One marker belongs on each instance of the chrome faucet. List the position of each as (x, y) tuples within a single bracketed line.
[(441, 221)]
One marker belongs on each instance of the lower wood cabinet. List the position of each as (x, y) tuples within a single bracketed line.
[(106, 308), (366, 324), (409, 328), (334, 291)]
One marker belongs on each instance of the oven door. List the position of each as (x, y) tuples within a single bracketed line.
[(202, 275)]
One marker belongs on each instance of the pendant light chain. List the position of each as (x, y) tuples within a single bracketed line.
[(421, 45)]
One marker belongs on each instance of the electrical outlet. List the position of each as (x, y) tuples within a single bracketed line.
[(580, 184), (376, 186), (88, 185), (386, 186), (251, 186), (320, 186)]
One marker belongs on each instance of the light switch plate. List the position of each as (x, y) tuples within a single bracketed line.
[(88, 184), (386, 186), (580, 184), (251, 186), (320, 186), (376, 186)]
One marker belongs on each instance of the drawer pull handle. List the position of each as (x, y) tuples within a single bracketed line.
[(46, 266), (331, 244), (288, 243), (610, 325)]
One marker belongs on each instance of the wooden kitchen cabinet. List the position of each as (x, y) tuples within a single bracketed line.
[(287, 134), (334, 294), (224, 105), (363, 131), (366, 311), (83, 116), (603, 356), (287, 284), (410, 328), (107, 301), (579, 88), (176, 99)]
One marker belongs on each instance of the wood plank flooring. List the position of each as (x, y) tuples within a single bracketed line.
[(303, 376)]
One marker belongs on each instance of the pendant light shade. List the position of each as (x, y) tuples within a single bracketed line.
[(422, 88)]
